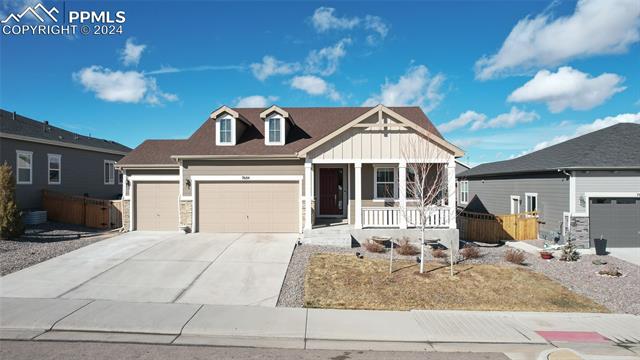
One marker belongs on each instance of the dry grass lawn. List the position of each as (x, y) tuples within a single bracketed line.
[(346, 282)]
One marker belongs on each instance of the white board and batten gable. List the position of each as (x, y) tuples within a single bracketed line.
[(383, 136)]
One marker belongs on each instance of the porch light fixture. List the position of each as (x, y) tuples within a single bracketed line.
[(188, 183)]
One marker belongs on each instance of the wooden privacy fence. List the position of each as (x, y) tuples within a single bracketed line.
[(494, 228), (80, 210)]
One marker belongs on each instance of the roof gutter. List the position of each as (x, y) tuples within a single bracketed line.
[(235, 157), (146, 166)]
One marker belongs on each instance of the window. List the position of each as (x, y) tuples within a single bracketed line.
[(274, 130), (225, 132), (515, 204), (531, 202), (464, 191), (120, 176), (412, 192), (109, 176), (385, 184), (24, 161), (55, 168)]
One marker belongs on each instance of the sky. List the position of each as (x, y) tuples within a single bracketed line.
[(498, 78)]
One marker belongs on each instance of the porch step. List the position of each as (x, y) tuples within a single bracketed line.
[(327, 237)]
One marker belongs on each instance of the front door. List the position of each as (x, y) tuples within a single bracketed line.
[(330, 192)]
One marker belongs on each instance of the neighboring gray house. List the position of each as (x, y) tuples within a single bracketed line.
[(43, 156), (589, 185)]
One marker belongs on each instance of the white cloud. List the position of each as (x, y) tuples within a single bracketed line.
[(122, 86), (568, 88), (173, 70), (255, 101), (463, 120), (506, 120), (315, 86), (596, 27), (585, 129), (131, 53), (271, 66), (415, 87), (325, 61), (323, 20), (378, 26)]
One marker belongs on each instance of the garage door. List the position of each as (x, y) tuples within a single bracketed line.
[(248, 207), (156, 206), (616, 219)]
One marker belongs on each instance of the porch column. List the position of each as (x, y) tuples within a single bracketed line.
[(451, 188), (358, 195), (308, 196), (402, 189)]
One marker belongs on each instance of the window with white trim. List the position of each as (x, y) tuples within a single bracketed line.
[(54, 169), (464, 191), (225, 131), (412, 190), (109, 172), (385, 184), (531, 202), (274, 130), (24, 166)]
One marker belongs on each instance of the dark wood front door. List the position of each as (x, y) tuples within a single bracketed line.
[(331, 185)]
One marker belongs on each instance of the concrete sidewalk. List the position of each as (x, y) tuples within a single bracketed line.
[(527, 334)]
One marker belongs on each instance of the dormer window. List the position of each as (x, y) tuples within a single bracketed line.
[(225, 130), (275, 130)]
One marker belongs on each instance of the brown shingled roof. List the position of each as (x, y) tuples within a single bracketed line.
[(311, 125)]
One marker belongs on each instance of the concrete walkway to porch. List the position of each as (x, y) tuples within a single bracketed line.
[(526, 335)]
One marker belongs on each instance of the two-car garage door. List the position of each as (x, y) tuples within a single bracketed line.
[(254, 206), (616, 219)]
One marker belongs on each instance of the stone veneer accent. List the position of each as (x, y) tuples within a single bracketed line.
[(186, 213), (580, 229), (125, 214)]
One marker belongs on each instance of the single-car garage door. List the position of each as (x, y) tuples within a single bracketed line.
[(616, 219), (248, 207), (156, 206)]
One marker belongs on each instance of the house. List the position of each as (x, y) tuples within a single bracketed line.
[(46, 157), (285, 170), (589, 185)]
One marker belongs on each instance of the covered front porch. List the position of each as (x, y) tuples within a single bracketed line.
[(362, 194)]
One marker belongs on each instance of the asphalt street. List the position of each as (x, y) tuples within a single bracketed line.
[(35, 350)]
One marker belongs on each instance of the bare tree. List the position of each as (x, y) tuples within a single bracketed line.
[(426, 186)]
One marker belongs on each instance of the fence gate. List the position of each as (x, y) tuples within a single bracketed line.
[(494, 228), (80, 210)]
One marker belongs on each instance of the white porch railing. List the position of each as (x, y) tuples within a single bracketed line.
[(438, 216)]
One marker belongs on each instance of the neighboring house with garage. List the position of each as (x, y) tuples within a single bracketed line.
[(46, 157), (286, 170), (589, 185)]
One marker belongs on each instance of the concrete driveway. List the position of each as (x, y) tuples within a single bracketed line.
[(631, 255), (224, 269)]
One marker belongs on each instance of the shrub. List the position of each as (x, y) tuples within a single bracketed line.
[(470, 252), (569, 252), (10, 222), (407, 248), (439, 253), (373, 246), (514, 256)]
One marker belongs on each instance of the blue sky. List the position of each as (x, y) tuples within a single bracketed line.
[(498, 78)]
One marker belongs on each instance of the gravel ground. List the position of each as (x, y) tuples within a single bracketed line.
[(620, 295), (45, 241)]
